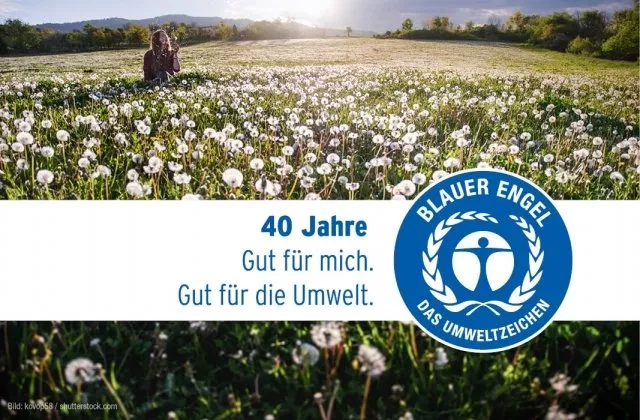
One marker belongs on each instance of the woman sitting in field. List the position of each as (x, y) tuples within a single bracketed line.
[(162, 59)]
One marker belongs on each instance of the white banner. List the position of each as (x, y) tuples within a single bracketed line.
[(211, 260)]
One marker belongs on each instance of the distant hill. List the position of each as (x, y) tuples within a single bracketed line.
[(116, 22)]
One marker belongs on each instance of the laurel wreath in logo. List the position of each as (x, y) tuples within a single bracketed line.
[(444, 294)]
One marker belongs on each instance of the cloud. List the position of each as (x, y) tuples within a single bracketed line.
[(604, 7), (488, 13), (8, 6), (496, 12)]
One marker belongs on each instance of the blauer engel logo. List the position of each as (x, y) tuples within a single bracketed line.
[(483, 260)]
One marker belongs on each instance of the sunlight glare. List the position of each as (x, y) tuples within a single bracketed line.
[(301, 10)]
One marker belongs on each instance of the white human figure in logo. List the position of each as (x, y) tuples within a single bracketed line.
[(483, 258)]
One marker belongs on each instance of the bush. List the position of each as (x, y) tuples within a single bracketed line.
[(555, 31), (583, 46), (439, 34)]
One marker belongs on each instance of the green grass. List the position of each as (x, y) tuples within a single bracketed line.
[(562, 63), (430, 55), (247, 370)]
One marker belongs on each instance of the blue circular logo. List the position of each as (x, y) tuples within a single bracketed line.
[(483, 260)]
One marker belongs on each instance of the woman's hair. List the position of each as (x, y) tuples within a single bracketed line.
[(160, 42)]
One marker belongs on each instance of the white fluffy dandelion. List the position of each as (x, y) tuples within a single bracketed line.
[(154, 166), (305, 354), (182, 178), (81, 370), (256, 164), (327, 334), (267, 187), (405, 188), (617, 177), (232, 177), (63, 135), (45, 177), (24, 138), (373, 362), (561, 383), (47, 152), (441, 359), (134, 189)]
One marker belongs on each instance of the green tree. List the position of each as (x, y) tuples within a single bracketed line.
[(171, 27), (20, 37), (181, 31), (113, 37), (593, 24), (137, 35), (222, 31), (75, 40), (349, 30), (407, 25), (441, 23), (89, 32), (4, 48), (516, 22), (446, 24), (100, 38), (624, 41), (555, 31)]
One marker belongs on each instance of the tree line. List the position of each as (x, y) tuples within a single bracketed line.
[(17, 37), (591, 32)]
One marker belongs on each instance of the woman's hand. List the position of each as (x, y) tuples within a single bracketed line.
[(176, 61), (174, 44)]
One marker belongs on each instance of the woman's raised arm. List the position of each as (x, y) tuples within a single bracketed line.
[(176, 62)]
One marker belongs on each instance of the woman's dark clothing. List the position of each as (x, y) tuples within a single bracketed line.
[(160, 67)]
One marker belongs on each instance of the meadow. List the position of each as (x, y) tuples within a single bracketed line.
[(315, 119)]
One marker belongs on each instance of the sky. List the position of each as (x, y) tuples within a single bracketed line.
[(374, 15)]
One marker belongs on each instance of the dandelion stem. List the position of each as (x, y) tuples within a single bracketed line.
[(114, 394), (338, 359), (333, 399), (326, 364), (323, 414), (414, 344), (363, 407)]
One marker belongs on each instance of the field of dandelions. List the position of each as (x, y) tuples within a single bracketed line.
[(312, 132), (314, 119), (363, 370)]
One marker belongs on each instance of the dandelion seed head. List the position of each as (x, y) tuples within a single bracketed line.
[(373, 362), (134, 189), (63, 135), (81, 370), (441, 358), (305, 354), (327, 334), (44, 177)]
